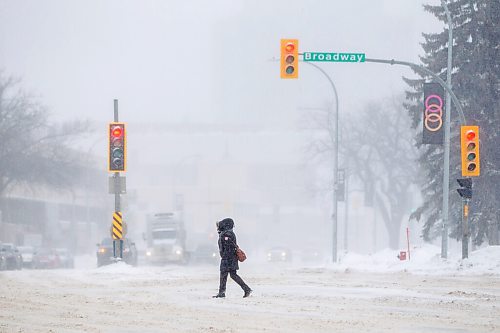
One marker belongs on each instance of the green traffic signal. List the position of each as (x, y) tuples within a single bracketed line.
[(117, 153)]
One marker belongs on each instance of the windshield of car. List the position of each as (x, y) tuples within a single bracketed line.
[(43, 252), (25, 249), (107, 242), (164, 234), (7, 247), (62, 251)]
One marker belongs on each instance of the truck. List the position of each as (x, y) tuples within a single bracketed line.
[(166, 239)]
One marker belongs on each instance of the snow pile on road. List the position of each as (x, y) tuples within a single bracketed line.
[(424, 259)]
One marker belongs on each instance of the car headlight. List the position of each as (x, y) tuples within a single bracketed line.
[(102, 250), (149, 253), (177, 250), (214, 254)]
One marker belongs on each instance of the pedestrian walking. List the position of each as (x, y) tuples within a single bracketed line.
[(229, 260)]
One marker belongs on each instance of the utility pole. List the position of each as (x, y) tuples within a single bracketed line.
[(446, 167)]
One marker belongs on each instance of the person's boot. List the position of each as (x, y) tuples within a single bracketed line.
[(220, 295), (247, 292)]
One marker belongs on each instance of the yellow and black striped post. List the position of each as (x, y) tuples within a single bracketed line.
[(117, 228)]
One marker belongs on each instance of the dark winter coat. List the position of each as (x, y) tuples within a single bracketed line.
[(227, 246)]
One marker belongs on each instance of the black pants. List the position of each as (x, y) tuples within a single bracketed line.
[(235, 277)]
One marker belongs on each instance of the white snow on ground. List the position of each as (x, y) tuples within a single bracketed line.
[(376, 293), (425, 259)]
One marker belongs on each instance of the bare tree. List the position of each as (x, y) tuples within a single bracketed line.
[(378, 148), (34, 152)]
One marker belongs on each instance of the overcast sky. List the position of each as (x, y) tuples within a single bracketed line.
[(204, 61), (208, 65)]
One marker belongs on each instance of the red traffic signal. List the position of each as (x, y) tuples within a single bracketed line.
[(117, 131), (290, 47)]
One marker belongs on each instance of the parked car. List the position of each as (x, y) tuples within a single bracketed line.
[(279, 254), (105, 252), (206, 253), (12, 256), (27, 254), (65, 258), (46, 258)]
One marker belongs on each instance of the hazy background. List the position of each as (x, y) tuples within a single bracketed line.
[(208, 116)]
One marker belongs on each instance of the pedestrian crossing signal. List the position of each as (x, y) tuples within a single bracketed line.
[(465, 189)]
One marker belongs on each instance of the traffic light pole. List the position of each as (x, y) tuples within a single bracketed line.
[(117, 243), (465, 229), (335, 165)]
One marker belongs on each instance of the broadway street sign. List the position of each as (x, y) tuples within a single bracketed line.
[(334, 57)]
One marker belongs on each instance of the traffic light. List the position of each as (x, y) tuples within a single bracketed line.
[(469, 141), (289, 58), (433, 130), (117, 147), (466, 190)]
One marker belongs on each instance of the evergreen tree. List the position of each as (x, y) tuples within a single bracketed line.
[(475, 81)]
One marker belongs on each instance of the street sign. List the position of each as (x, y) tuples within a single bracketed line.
[(334, 57), (120, 189), (433, 114), (118, 230)]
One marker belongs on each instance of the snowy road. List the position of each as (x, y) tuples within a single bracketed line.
[(120, 298)]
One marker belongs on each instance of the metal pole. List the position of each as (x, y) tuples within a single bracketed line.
[(446, 167), (374, 228), (116, 177), (346, 209), (465, 230), (335, 164)]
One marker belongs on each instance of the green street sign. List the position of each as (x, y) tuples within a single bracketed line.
[(334, 57)]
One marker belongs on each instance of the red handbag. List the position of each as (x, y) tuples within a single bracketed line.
[(240, 254)]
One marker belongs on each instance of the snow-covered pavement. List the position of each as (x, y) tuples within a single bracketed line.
[(121, 298)]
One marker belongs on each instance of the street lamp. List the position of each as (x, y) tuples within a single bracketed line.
[(335, 163)]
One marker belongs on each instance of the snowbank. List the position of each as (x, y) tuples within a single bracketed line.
[(425, 259)]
